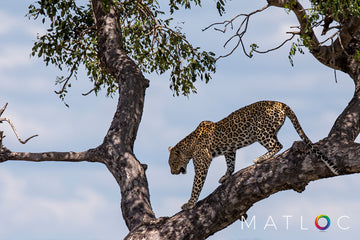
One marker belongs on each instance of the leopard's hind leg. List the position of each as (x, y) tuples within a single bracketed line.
[(230, 163), (272, 144)]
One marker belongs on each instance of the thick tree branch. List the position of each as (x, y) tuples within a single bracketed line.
[(89, 156), (6, 154), (335, 55), (347, 125), (293, 169)]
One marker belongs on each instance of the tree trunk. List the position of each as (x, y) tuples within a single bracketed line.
[(119, 141)]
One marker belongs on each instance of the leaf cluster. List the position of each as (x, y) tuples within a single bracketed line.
[(156, 46), (337, 9), (220, 6), (296, 47), (175, 4), (70, 43)]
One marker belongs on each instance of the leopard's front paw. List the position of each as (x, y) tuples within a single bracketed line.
[(187, 206), (258, 160)]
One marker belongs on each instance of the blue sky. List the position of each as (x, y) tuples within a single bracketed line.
[(82, 200)]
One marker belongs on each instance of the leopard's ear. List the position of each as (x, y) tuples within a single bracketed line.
[(170, 149)]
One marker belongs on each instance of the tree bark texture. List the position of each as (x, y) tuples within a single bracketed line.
[(293, 169), (119, 141)]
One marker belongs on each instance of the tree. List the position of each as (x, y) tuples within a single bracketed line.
[(115, 62)]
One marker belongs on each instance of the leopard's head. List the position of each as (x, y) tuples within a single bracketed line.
[(177, 161)]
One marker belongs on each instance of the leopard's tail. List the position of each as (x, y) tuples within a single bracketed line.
[(290, 114)]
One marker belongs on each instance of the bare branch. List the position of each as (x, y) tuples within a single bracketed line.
[(240, 41), (85, 94), (13, 127), (341, 45), (331, 38), (91, 155), (227, 22), (331, 28), (16, 133), (55, 156), (3, 109), (282, 44), (1, 138), (240, 32)]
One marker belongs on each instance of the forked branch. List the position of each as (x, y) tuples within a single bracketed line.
[(240, 32)]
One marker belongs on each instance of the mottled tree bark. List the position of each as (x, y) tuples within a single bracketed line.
[(119, 140), (293, 169)]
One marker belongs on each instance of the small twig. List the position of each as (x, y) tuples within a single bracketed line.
[(66, 80), (17, 135), (1, 138), (3, 109), (329, 38), (85, 94), (332, 61), (333, 27), (282, 44), (234, 48), (240, 41), (1, 132), (64, 85), (341, 44), (227, 22)]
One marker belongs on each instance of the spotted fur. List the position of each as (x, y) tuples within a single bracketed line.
[(259, 122)]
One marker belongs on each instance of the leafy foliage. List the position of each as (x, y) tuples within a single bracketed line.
[(337, 9), (174, 4), (295, 47), (220, 5), (157, 47), (253, 47), (70, 43)]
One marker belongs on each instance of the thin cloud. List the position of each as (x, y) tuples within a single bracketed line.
[(14, 56), (11, 23), (80, 208)]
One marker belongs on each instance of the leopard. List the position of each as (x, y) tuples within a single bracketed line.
[(257, 122)]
